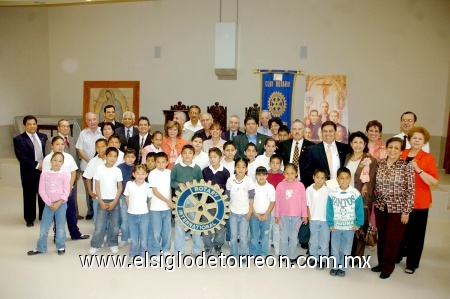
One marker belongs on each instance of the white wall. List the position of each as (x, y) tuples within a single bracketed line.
[(24, 63), (395, 54)]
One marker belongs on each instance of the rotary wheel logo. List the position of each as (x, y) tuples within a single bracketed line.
[(201, 207), (277, 104)]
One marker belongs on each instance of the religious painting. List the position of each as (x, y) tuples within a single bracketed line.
[(326, 99), (123, 95)]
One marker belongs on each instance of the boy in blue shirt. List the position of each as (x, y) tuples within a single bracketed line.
[(345, 214), (216, 173), (126, 168)]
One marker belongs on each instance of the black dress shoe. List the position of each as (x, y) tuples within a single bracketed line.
[(82, 237), (376, 269), (61, 251), (33, 252), (89, 217), (384, 275), (30, 224)]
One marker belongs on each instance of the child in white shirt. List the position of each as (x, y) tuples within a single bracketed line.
[(137, 193), (263, 205), (108, 187), (241, 191), (316, 200), (161, 206)]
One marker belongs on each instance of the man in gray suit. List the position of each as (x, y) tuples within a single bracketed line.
[(128, 131), (251, 135)]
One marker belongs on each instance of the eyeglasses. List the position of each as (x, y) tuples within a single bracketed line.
[(407, 120), (61, 126)]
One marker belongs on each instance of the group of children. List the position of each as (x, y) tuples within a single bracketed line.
[(266, 198)]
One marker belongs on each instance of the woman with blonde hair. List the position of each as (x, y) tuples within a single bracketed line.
[(426, 175), (172, 143)]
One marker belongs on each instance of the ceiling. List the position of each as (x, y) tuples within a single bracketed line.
[(58, 2)]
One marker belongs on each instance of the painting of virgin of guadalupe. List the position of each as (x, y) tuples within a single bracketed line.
[(123, 95)]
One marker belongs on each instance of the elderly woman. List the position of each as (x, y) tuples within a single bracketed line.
[(426, 175), (172, 142), (394, 193), (108, 129), (274, 125), (363, 168), (377, 148)]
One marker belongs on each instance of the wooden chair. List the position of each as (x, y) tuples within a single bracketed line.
[(253, 111), (219, 114), (168, 114)]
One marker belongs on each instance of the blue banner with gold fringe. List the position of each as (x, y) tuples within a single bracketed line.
[(277, 93)]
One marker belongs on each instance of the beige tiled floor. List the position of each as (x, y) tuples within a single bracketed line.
[(53, 276)]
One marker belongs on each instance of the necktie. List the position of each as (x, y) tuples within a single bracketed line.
[(404, 142), (232, 135), (38, 150), (140, 149), (296, 155), (330, 159), (66, 140), (128, 134)]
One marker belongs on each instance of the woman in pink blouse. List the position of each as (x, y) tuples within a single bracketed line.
[(394, 193), (377, 148)]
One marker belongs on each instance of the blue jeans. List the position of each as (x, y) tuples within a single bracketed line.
[(320, 238), (289, 226), (216, 239), (275, 233), (161, 228), (71, 216), (238, 228), (180, 241), (259, 236), (138, 225), (46, 222), (104, 216), (90, 210), (95, 208), (123, 220), (341, 245)]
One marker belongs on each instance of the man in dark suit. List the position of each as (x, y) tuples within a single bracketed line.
[(233, 131), (128, 130), (329, 155), (138, 142), (250, 135), (110, 116), (286, 149), (30, 151)]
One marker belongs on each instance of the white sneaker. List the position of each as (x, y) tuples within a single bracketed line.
[(122, 243), (114, 249), (93, 250)]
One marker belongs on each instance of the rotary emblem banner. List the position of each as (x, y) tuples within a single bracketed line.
[(277, 91)]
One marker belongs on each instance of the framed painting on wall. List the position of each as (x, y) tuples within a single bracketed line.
[(124, 95)]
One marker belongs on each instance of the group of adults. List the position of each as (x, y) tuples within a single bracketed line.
[(394, 178)]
